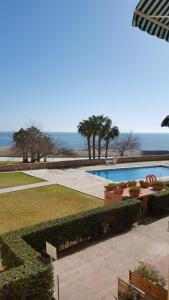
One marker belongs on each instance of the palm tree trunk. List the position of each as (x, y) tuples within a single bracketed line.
[(94, 146), (107, 147), (99, 147), (89, 148), (38, 157)]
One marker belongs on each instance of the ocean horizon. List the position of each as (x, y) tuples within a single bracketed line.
[(147, 141)]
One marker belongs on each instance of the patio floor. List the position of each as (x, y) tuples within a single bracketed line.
[(92, 273)]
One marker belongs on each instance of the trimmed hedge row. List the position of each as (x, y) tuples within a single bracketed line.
[(30, 274), (158, 202), (76, 229)]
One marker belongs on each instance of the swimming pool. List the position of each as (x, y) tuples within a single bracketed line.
[(138, 173)]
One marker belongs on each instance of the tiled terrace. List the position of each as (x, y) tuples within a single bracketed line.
[(91, 274)]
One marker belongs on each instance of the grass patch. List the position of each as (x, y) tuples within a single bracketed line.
[(9, 162), (29, 207), (16, 179)]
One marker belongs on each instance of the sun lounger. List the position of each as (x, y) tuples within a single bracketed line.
[(111, 161)]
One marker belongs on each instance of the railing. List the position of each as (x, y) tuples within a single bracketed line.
[(125, 288), (147, 287)]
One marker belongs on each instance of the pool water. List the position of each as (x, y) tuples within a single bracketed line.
[(125, 174)]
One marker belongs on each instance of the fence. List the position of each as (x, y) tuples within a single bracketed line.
[(127, 289), (147, 286)]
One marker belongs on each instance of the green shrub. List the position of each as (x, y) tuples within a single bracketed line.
[(29, 274), (131, 183), (135, 189), (63, 233), (166, 184), (122, 185), (133, 294), (147, 271), (158, 182), (158, 202), (110, 186)]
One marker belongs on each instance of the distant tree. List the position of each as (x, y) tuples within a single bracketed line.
[(97, 129), (104, 125), (110, 135), (85, 129), (45, 147), (126, 143), (94, 125), (20, 143), (31, 142)]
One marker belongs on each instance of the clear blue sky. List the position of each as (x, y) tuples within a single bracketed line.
[(62, 61)]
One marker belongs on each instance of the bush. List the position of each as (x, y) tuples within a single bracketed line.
[(29, 274), (158, 185), (135, 189), (131, 183), (144, 184), (63, 233), (132, 295), (110, 187), (158, 202), (122, 185), (149, 272)]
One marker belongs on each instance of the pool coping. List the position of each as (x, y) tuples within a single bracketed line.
[(164, 178)]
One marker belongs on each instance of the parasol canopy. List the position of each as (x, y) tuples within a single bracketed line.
[(152, 16)]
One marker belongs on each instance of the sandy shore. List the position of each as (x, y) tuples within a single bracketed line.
[(8, 153)]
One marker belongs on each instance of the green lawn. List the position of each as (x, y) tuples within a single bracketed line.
[(28, 207), (15, 179), (9, 162)]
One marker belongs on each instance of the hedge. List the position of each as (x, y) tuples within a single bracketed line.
[(29, 274), (158, 202)]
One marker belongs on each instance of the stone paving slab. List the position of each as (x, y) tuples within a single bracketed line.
[(92, 273)]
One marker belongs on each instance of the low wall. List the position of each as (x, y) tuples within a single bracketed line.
[(52, 165), (77, 163), (143, 158)]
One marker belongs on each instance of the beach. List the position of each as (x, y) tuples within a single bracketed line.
[(7, 153)]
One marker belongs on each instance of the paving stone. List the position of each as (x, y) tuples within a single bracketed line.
[(112, 258)]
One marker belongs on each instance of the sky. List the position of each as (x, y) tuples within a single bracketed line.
[(63, 61)]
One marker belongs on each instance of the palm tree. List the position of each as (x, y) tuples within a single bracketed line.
[(84, 128), (99, 127), (165, 122), (104, 125), (93, 121), (112, 133)]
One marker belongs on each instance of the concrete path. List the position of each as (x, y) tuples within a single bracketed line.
[(25, 187), (91, 274), (77, 179)]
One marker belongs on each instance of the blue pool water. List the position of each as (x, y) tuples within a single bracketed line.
[(125, 174)]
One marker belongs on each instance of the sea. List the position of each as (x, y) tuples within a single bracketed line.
[(72, 140)]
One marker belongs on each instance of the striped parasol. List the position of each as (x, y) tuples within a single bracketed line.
[(152, 16)]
